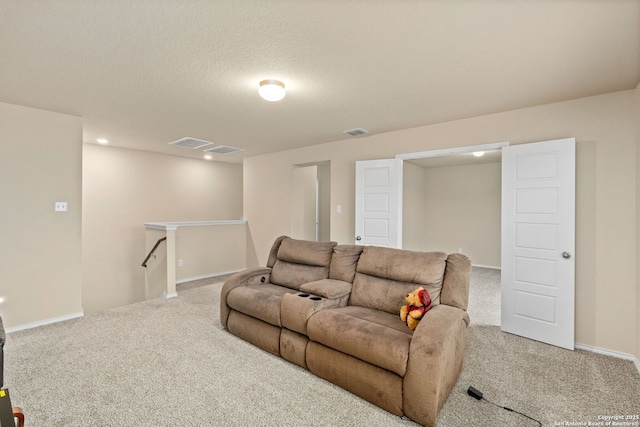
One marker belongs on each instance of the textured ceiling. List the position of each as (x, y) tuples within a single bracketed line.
[(146, 72)]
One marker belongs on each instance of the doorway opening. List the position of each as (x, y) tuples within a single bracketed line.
[(311, 201), (452, 203), (537, 237)]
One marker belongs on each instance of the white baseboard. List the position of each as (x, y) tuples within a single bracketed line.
[(493, 267), (45, 322), (607, 352), (171, 295), (207, 276)]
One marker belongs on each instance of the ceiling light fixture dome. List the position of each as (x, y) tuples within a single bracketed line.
[(271, 90), (478, 153)]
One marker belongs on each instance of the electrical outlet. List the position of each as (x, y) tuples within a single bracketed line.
[(180, 263), (61, 206)]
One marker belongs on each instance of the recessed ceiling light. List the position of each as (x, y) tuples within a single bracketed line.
[(102, 141), (272, 90), (1, 300), (478, 153), (208, 157)]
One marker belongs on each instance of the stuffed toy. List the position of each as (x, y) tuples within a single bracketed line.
[(419, 302)]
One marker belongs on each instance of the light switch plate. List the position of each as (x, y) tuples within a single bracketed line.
[(61, 206)]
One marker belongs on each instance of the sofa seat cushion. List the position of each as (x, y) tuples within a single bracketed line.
[(260, 301), (373, 336)]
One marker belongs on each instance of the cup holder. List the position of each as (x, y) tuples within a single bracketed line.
[(313, 297)]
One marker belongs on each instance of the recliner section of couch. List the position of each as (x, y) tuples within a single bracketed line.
[(334, 310)]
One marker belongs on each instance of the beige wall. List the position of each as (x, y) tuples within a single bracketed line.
[(605, 130), (462, 211), (413, 207), (208, 250), (324, 177), (40, 250), (303, 217), (123, 189)]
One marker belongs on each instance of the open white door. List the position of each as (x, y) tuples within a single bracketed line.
[(379, 203), (538, 241)]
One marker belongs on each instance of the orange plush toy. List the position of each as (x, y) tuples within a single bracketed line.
[(419, 303)]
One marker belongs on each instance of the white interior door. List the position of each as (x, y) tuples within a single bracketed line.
[(538, 241), (379, 203)]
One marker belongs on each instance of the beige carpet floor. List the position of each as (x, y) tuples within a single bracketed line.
[(168, 363)]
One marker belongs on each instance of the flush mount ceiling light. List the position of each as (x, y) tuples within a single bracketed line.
[(478, 153), (102, 141), (271, 90)]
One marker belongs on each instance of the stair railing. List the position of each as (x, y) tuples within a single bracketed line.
[(144, 263)]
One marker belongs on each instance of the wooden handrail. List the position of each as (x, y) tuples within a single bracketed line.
[(144, 263)]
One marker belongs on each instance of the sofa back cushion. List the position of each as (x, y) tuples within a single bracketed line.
[(344, 262), (384, 276), (301, 261)]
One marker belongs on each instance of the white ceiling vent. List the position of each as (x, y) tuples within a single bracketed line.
[(223, 149), (356, 132), (192, 143)]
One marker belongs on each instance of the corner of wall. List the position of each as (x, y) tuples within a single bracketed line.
[(41, 253), (141, 187), (637, 115)]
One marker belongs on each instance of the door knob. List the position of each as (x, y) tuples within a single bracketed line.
[(358, 238), (566, 255)]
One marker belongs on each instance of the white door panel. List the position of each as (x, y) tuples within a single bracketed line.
[(379, 203), (538, 227)]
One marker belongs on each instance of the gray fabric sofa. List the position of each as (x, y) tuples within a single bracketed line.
[(334, 310)]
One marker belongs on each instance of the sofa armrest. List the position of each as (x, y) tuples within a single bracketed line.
[(435, 360), (327, 288), (457, 276), (253, 276)]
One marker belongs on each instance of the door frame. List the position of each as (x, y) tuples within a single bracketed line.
[(322, 195), (449, 151), (456, 150)]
